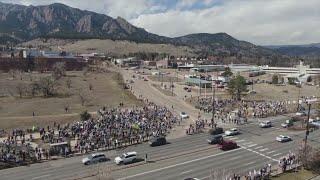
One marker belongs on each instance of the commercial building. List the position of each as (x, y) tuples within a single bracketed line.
[(198, 82)]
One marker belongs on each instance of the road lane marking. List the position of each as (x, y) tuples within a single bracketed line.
[(250, 163), (252, 145), (247, 143), (233, 138), (271, 152), (261, 150), (234, 158), (41, 177), (260, 154), (277, 154), (185, 172), (179, 164), (240, 140), (258, 147)]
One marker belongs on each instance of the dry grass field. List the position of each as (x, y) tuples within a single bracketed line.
[(109, 46), (15, 112)]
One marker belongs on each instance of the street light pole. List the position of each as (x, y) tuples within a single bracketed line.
[(307, 129)]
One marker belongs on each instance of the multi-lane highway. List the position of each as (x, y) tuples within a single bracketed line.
[(188, 156)]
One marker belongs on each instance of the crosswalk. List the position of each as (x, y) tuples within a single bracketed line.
[(271, 154)]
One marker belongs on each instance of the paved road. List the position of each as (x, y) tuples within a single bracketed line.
[(188, 156)]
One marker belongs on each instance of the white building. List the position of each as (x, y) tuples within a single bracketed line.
[(299, 69)]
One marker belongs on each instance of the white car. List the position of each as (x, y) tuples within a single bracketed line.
[(232, 132), (126, 158), (265, 124), (94, 158), (301, 113), (283, 138), (184, 115)]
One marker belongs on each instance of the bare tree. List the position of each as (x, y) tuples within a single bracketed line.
[(12, 73), (90, 87), (68, 83), (48, 86), (59, 70), (85, 71), (21, 89), (84, 97), (34, 88)]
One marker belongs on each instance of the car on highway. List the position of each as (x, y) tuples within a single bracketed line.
[(283, 138), (228, 145), (184, 115), (126, 158), (191, 179), (301, 113), (94, 158), (157, 141), (232, 132), (215, 139), (265, 124), (216, 131), (287, 124)]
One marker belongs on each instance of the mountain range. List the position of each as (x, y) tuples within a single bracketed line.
[(20, 23)]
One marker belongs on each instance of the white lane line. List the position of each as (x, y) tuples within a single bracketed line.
[(242, 140), (252, 145), (204, 177), (179, 164), (41, 177), (258, 147), (260, 154), (247, 143), (185, 172), (270, 152), (250, 163), (261, 150), (276, 154), (234, 158), (233, 138)]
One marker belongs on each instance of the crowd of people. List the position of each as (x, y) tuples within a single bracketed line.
[(233, 111), (288, 162), (16, 149)]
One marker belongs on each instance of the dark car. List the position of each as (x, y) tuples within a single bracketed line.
[(216, 139), (216, 131), (158, 141), (228, 145)]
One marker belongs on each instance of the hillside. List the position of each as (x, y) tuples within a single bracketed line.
[(24, 23)]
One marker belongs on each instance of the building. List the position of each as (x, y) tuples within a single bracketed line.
[(198, 82), (128, 62), (243, 68), (299, 69), (208, 68)]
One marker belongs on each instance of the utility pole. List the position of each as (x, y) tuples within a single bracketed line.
[(309, 102), (299, 93)]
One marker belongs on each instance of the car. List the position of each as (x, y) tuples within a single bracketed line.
[(145, 79), (216, 131), (185, 88), (94, 158), (265, 124), (216, 139), (301, 113), (287, 124), (228, 145), (184, 115), (157, 141), (189, 90), (126, 158), (283, 138), (191, 179), (232, 132)]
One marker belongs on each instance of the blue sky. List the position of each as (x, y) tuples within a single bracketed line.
[(263, 22)]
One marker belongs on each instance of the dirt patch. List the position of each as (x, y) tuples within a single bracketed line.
[(106, 90)]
